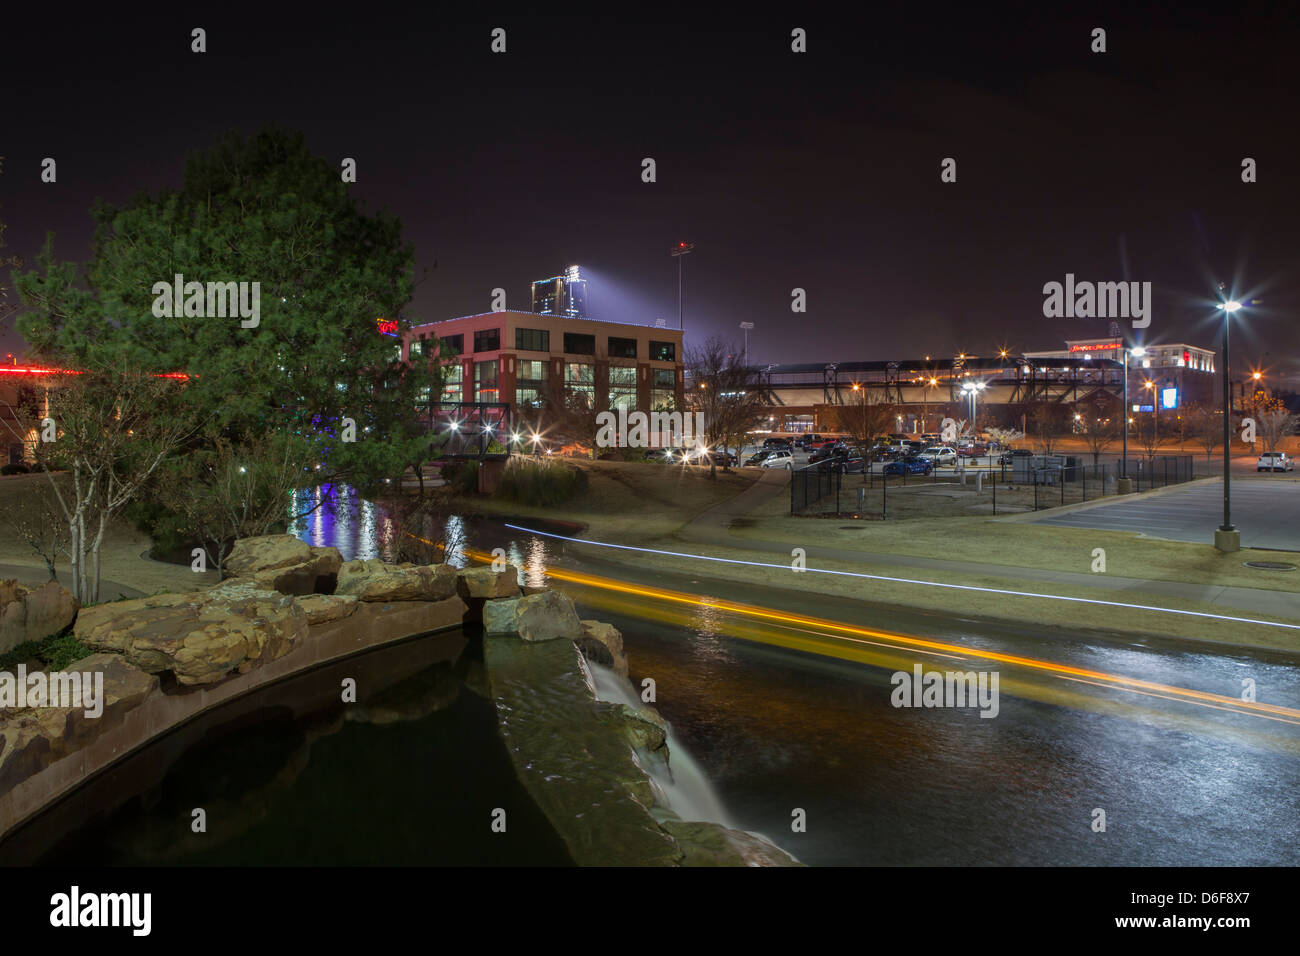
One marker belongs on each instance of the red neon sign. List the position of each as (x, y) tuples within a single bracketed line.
[(387, 326), (1095, 347)]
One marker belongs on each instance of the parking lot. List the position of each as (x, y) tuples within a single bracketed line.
[(1265, 509)]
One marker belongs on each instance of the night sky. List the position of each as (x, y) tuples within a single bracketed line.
[(816, 170)]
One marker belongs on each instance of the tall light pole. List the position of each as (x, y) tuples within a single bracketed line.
[(1155, 411), (1125, 352), (746, 326), (1227, 538), (678, 251)]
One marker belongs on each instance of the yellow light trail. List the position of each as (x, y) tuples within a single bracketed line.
[(858, 634)]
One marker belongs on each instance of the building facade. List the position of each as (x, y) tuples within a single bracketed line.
[(561, 295), (527, 360)]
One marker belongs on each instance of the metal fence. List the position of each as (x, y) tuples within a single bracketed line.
[(1025, 484)]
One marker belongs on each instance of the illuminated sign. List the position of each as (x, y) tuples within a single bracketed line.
[(1094, 346), (387, 326), (1169, 398)]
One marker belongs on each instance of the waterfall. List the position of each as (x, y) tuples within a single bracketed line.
[(679, 782)]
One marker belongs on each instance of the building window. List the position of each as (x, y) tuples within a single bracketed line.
[(485, 381), (487, 340), (622, 387), (581, 378), (622, 348), (417, 348), (663, 351), (451, 387), (532, 340), (530, 384), (452, 345), (576, 343), (663, 378)]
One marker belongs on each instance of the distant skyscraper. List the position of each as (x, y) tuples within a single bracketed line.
[(561, 295)]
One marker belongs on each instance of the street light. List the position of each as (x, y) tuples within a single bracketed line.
[(1227, 538), (1155, 411), (972, 389), (1139, 351), (678, 251)]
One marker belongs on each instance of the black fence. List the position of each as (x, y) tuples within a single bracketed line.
[(1023, 484)]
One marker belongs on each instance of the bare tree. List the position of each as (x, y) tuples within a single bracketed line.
[(111, 431), (1099, 426), (863, 417), (1274, 422), (1146, 429), (38, 522), (231, 491), (1046, 423), (1206, 426), (732, 396)]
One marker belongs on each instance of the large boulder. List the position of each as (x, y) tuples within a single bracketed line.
[(323, 608), (200, 637), (603, 644), (484, 583), (33, 614), (281, 562), (373, 580), (644, 726), (546, 616)]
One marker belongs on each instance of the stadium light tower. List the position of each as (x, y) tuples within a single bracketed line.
[(679, 251)]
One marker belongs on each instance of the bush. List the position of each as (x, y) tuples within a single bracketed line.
[(461, 476), (59, 652), (15, 468), (540, 483)]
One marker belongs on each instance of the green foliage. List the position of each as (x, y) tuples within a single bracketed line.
[(541, 484), (14, 468), (59, 652), (55, 653), (461, 476)]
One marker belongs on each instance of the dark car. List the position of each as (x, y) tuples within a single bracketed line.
[(1009, 457), (776, 443), (807, 441), (910, 465), (718, 457), (883, 453)]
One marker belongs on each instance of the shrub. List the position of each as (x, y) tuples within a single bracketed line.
[(59, 652), (14, 468), (540, 483), (461, 476)]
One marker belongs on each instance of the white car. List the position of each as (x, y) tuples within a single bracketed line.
[(1275, 461), (780, 458), (940, 455)]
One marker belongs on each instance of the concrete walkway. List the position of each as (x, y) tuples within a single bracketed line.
[(712, 527)]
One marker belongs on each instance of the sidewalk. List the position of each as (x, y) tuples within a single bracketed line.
[(712, 527)]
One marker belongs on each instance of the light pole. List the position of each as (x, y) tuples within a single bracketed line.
[(1155, 411), (1139, 351), (678, 251), (1227, 538), (746, 326)]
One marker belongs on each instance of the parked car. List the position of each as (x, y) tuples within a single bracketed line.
[(911, 465), (1009, 457), (776, 443), (718, 456), (1275, 461), (940, 455), (807, 441), (780, 458), (760, 456)]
